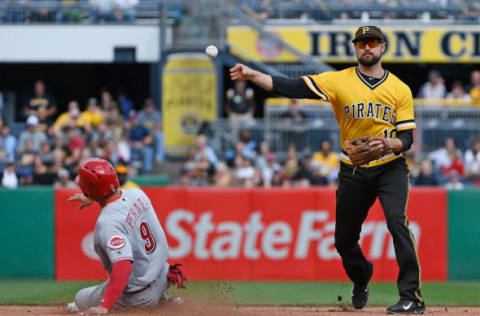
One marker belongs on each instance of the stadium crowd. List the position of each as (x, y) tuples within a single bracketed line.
[(252, 164), (94, 11), (69, 11), (49, 148), (326, 10)]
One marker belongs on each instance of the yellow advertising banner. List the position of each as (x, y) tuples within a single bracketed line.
[(405, 44), (189, 97)]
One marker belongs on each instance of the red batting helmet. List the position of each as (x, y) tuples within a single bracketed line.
[(97, 178)]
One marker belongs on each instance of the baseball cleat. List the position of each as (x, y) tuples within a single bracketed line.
[(407, 307), (72, 307), (360, 292), (170, 299)]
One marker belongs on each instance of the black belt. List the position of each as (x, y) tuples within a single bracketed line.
[(141, 290)]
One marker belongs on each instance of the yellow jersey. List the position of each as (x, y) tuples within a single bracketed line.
[(361, 108), (129, 185)]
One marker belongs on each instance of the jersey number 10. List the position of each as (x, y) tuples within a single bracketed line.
[(147, 237)]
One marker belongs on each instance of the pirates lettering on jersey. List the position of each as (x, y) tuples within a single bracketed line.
[(370, 110)]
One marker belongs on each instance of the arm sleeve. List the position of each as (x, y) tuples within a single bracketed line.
[(405, 117), (116, 285), (292, 88), (406, 137)]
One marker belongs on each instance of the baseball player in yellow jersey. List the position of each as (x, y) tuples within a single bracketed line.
[(367, 101)]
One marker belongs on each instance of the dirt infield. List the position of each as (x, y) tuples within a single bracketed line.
[(204, 309)]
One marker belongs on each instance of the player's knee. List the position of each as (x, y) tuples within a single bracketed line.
[(342, 245), (395, 219)]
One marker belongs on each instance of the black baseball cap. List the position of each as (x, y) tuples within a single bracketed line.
[(368, 32)]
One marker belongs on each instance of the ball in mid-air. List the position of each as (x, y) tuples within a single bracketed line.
[(211, 51)]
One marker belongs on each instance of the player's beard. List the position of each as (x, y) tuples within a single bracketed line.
[(369, 62)]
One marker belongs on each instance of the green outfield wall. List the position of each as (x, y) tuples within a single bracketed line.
[(464, 234), (27, 233)]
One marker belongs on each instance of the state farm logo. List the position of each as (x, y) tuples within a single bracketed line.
[(204, 238)]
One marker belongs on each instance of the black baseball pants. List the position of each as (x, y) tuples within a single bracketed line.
[(355, 195)]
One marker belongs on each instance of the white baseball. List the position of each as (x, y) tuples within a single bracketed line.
[(211, 51)]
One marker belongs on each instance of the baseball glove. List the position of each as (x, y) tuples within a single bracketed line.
[(365, 149)]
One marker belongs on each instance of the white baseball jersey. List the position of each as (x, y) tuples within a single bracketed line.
[(128, 228)]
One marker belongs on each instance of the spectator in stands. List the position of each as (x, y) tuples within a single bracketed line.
[(270, 171), (294, 9), (14, 11), (294, 112), (68, 12), (260, 13), (26, 160), (110, 152), (223, 176), (123, 172), (141, 141), (40, 99), (8, 142), (107, 101), (261, 159), (188, 174), (41, 12), (58, 162), (63, 180), (9, 176), (31, 134), (327, 161), (305, 176), (125, 104), (203, 150), (241, 150), (472, 163), (454, 181), (291, 166), (250, 144), (456, 164), (123, 147), (475, 86), (293, 128), (240, 105), (426, 177), (114, 120), (319, 11), (245, 173), (126, 10), (458, 92), (44, 120), (46, 154), (102, 10), (72, 118), (41, 174), (470, 11), (151, 119), (92, 115), (442, 157), (434, 88), (75, 145)]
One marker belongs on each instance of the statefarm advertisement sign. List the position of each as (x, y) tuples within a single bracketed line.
[(258, 234)]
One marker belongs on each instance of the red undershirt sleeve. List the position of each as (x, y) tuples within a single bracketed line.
[(118, 281)]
